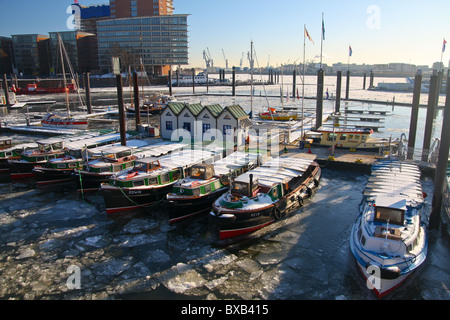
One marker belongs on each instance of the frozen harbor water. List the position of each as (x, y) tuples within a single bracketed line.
[(49, 234), (43, 232)]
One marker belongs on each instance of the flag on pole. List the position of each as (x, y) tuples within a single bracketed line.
[(443, 46), (350, 51), (308, 36), (323, 29)]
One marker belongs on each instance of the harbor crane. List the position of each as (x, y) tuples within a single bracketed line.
[(208, 60), (226, 61), (242, 58)]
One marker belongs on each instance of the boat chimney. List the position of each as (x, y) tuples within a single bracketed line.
[(250, 193)]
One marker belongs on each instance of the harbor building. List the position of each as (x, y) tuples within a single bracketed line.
[(157, 41), (31, 53), (6, 56)]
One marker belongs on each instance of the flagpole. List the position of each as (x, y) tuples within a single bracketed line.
[(321, 44), (303, 81)]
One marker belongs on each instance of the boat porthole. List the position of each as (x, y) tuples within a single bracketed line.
[(181, 190)]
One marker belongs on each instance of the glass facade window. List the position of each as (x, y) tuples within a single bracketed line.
[(159, 41)]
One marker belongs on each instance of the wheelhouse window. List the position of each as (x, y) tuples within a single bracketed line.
[(389, 215), (138, 183)]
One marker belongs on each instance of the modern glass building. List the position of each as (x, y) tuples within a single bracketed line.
[(160, 41), (31, 53)]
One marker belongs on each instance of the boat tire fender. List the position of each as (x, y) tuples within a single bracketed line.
[(277, 213), (300, 201), (309, 192)]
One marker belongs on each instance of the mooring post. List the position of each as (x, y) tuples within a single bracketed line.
[(347, 90), (234, 82), (193, 80), (430, 116), (319, 105), (87, 89), (293, 84), (122, 124), (137, 108), (371, 79), (439, 86), (337, 107), (364, 81), (414, 115), (170, 81), (5, 88), (441, 169)]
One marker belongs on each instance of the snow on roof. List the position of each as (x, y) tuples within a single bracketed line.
[(395, 179), (279, 170)]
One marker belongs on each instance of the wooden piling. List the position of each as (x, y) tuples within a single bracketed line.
[(347, 89), (5, 88), (123, 135), (319, 105), (364, 81), (234, 82), (431, 108), (87, 89), (338, 92), (414, 115), (170, 81), (371, 79), (137, 107), (294, 78), (193, 80), (441, 168)]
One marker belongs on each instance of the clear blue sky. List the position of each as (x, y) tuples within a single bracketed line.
[(379, 31)]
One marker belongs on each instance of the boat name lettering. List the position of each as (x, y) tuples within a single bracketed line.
[(135, 192)]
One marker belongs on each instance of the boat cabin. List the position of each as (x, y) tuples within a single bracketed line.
[(115, 153), (146, 165), (5, 143), (202, 171), (390, 210), (341, 137), (50, 145), (245, 188)]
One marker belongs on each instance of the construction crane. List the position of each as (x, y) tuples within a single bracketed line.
[(242, 58), (226, 61), (268, 62)]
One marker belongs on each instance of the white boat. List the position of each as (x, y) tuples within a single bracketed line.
[(54, 120), (388, 239), (199, 79)]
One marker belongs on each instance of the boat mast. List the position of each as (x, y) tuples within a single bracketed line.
[(64, 74), (251, 79)]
